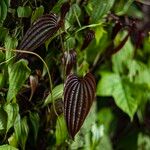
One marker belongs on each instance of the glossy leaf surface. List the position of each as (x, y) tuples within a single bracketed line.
[(79, 95)]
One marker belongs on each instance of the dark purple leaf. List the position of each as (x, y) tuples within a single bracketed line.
[(118, 26), (64, 9), (90, 35), (40, 31), (69, 60), (79, 94)]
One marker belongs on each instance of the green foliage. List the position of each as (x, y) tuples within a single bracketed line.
[(37, 13), (17, 78), (113, 85), (12, 111), (21, 131), (119, 117), (24, 12), (57, 93), (4, 5), (7, 147), (61, 130)]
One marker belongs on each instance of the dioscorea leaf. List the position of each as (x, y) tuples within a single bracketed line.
[(88, 38), (40, 31), (79, 95), (69, 60)]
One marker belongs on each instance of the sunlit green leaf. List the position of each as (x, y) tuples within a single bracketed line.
[(57, 93), (8, 147), (61, 130), (113, 85), (24, 12), (17, 78)]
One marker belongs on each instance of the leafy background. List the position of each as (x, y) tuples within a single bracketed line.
[(120, 115)]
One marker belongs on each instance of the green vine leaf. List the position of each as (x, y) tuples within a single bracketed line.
[(8, 147), (112, 84), (17, 78), (21, 131), (12, 111), (57, 93)]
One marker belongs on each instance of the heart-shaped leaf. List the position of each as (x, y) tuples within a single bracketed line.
[(69, 60), (79, 95), (40, 31)]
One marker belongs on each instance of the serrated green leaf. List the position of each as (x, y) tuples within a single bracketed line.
[(61, 130), (113, 85), (12, 111), (35, 121), (18, 73), (8, 147), (99, 9), (37, 13), (24, 12), (57, 93), (21, 131)]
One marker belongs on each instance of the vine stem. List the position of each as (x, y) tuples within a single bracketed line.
[(48, 72)]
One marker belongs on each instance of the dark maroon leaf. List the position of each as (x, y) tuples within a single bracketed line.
[(88, 38), (64, 9), (33, 85), (69, 60), (40, 31), (79, 95), (118, 26)]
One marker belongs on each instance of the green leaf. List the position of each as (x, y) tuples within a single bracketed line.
[(61, 130), (143, 141), (35, 121), (24, 12), (4, 33), (12, 111), (8, 147), (99, 8), (37, 13), (74, 13), (12, 140), (119, 59), (3, 121), (125, 8), (18, 73), (10, 43), (113, 85), (21, 131), (4, 4), (57, 93)]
